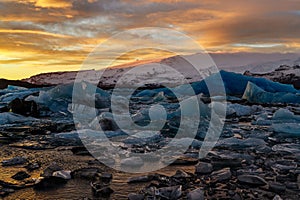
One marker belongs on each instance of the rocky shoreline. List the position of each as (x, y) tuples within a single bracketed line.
[(257, 155), (249, 162)]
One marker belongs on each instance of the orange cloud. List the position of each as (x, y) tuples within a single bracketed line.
[(56, 35), (34, 32), (51, 3)]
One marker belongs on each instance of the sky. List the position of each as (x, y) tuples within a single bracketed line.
[(57, 35)]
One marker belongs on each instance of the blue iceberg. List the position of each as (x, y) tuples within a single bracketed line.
[(235, 85), (255, 94)]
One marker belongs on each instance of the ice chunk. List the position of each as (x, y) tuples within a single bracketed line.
[(159, 97), (235, 84), (255, 94), (287, 129), (219, 107), (285, 115), (240, 144), (143, 137), (10, 95), (241, 110), (12, 87), (188, 109), (286, 123), (12, 118), (58, 98)]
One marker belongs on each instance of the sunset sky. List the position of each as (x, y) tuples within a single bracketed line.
[(56, 35)]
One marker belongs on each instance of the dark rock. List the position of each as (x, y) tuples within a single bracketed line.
[(221, 175), (285, 178), (99, 189), (252, 180), (11, 185), (80, 151), (49, 182), (14, 161), (106, 177), (180, 174), (226, 161), (234, 143), (291, 185), (5, 191), (64, 174), (32, 166), (48, 172), (277, 187), (86, 173), (185, 161), (140, 179), (285, 167), (171, 193), (105, 191), (20, 176), (277, 197), (132, 162), (196, 194), (32, 145), (108, 125), (134, 196), (203, 168), (27, 108), (4, 83)]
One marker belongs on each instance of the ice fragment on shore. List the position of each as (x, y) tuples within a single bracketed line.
[(255, 94), (11, 118)]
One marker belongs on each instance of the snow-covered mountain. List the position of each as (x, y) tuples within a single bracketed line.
[(156, 71)]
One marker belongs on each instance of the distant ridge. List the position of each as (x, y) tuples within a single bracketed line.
[(4, 83), (234, 62)]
